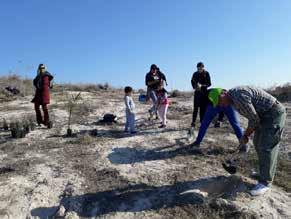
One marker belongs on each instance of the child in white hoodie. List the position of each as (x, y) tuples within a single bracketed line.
[(130, 114)]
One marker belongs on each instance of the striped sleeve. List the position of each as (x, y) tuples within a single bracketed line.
[(247, 109)]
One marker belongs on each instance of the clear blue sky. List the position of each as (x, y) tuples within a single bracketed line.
[(115, 41)]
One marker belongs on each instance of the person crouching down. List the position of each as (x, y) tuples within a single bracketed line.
[(163, 104), (130, 115), (42, 96)]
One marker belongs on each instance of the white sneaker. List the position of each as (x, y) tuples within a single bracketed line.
[(259, 189)]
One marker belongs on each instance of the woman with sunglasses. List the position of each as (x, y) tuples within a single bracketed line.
[(42, 83)]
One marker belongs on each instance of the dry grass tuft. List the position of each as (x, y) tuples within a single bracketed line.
[(24, 85), (180, 94), (82, 87), (283, 93)]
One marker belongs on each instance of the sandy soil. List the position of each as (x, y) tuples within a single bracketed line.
[(153, 174)]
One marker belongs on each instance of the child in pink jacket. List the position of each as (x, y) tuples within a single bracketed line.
[(163, 104)]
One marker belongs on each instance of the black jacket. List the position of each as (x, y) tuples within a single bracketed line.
[(201, 78), (158, 78)]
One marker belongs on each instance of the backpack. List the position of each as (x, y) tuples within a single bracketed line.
[(109, 118)]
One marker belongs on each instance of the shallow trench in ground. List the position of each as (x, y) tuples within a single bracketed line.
[(202, 195)]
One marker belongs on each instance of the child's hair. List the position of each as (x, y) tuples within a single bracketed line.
[(128, 89)]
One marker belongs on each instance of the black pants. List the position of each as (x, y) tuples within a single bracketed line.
[(220, 116), (200, 103)]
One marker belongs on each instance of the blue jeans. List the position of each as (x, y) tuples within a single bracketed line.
[(130, 121), (211, 112), (154, 99)]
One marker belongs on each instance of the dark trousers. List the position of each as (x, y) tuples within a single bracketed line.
[(220, 116), (39, 119), (200, 103)]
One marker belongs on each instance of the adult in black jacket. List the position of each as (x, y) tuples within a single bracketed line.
[(153, 79), (200, 82)]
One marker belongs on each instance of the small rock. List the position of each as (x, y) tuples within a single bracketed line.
[(195, 191), (221, 203), (72, 215), (61, 212)]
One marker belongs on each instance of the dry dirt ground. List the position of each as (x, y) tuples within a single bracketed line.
[(153, 174)]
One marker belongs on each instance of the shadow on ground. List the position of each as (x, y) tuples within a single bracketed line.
[(132, 155), (141, 197)]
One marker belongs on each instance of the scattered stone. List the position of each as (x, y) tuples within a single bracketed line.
[(8, 169), (196, 191), (220, 203), (61, 212), (72, 215)]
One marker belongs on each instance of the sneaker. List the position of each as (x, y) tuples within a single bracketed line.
[(162, 126), (259, 189), (133, 132)]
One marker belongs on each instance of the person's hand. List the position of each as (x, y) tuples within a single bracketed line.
[(198, 88), (244, 140)]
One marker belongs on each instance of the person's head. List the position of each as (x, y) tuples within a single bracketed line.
[(219, 97), (200, 67), (128, 90), (154, 69), (41, 69)]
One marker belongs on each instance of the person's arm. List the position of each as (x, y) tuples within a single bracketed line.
[(194, 81), (208, 80), (248, 110), (149, 81), (146, 80), (210, 113), (127, 99), (163, 77)]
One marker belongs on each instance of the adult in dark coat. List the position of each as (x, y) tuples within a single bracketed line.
[(42, 83), (200, 82), (153, 79)]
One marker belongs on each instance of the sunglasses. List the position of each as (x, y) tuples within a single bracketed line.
[(42, 68)]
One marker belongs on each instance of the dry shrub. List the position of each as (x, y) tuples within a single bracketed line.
[(77, 108), (82, 87), (179, 94), (175, 93), (85, 140), (24, 85), (282, 93)]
